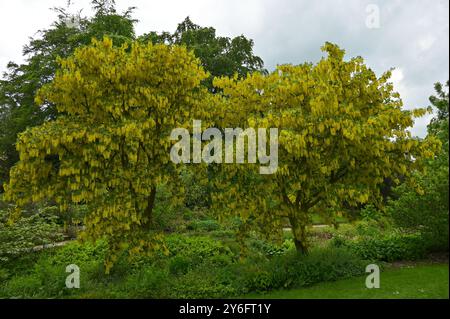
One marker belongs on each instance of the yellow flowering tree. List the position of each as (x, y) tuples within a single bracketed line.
[(342, 131), (109, 148)]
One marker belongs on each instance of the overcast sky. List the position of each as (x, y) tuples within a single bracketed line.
[(410, 35)]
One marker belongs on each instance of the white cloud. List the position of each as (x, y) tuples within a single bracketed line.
[(426, 42)]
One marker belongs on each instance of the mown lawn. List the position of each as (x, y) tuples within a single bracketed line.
[(422, 282)]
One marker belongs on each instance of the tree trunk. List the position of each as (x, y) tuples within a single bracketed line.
[(149, 210), (300, 246), (299, 234)]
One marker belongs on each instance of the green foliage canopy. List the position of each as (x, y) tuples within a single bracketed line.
[(343, 131), (110, 146), (18, 110), (220, 56)]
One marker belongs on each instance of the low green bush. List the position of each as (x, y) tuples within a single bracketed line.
[(148, 282), (362, 228), (4, 275), (197, 248), (293, 270), (26, 286), (271, 249), (48, 271), (201, 283), (79, 253), (388, 248), (197, 193), (379, 240), (203, 225), (180, 265), (426, 213), (19, 237)]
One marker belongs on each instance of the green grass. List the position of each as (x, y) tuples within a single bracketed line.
[(423, 282)]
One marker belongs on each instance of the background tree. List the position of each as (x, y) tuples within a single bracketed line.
[(109, 148), (439, 124), (342, 132), (220, 56)]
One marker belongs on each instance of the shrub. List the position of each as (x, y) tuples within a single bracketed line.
[(291, 269), (389, 247), (52, 278), (197, 248), (89, 257), (179, 265), (202, 282), (149, 282), (167, 212), (260, 280), (46, 277), (79, 253), (27, 286), (43, 280), (427, 213), (197, 189), (271, 249), (370, 212), (220, 260), (4, 275), (364, 228), (22, 235), (203, 225)]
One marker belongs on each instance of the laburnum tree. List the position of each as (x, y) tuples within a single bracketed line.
[(20, 83), (342, 132), (109, 147), (220, 56)]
